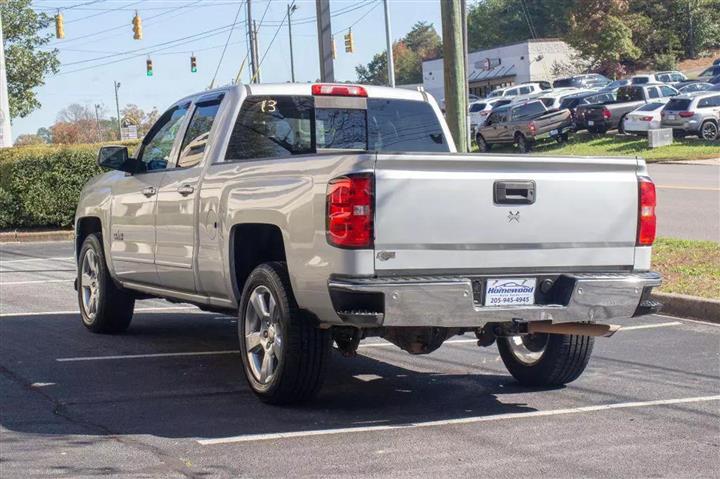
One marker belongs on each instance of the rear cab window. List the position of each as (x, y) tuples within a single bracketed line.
[(528, 111), (281, 126), (630, 93)]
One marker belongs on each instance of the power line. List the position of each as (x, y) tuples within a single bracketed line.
[(222, 55), (375, 5), (75, 20)]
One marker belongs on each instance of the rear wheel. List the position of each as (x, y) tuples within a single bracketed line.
[(523, 143), (709, 131), (104, 307), (546, 359), (483, 145), (563, 138), (621, 125), (284, 355)]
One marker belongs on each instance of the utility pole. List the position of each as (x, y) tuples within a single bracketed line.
[(454, 71), (325, 42), (117, 106), (97, 121), (251, 37), (466, 66), (388, 39), (256, 61), (290, 9), (5, 133)]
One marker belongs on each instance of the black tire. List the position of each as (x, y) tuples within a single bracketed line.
[(621, 125), (113, 307), (563, 138), (563, 360), (483, 146), (709, 131), (524, 145), (306, 350)]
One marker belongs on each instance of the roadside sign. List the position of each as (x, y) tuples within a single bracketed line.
[(128, 133)]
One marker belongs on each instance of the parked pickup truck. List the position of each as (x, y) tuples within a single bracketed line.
[(332, 213), (524, 125), (611, 115)]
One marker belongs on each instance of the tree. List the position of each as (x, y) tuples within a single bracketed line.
[(598, 32), (45, 134), (134, 115), (28, 139), (81, 124), (421, 43), (27, 65)]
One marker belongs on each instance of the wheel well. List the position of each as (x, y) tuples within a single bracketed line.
[(252, 245), (709, 120), (84, 228)]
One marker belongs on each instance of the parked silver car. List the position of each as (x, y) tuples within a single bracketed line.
[(693, 114)]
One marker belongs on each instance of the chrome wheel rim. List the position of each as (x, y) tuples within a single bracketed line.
[(89, 287), (709, 131), (263, 335), (528, 349)]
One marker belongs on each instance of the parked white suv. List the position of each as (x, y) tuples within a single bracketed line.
[(525, 89)]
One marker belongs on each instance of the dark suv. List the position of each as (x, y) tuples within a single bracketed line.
[(591, 80)]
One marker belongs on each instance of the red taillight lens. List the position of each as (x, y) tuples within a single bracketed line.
[(686, 114), (532, 128), (606, 113), (646, 118), (647, 222), (350, 211), (338, 90)]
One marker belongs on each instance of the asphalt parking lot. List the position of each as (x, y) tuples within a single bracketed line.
[(167, 399)]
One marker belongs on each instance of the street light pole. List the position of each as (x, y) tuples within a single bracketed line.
[(117, 106), (388, 38), (97, 121), (290, 9)]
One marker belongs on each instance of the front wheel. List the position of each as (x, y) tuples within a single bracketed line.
[(284, 355), (104, 307), (546, 359)]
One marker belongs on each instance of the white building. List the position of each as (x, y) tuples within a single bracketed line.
[(531, 60)]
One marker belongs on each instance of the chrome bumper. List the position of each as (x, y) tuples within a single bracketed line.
[(450, 301)]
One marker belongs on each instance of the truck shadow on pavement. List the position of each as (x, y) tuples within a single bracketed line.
[(205, 396)]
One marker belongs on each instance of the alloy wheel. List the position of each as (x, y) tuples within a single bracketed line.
[(709, 131), (263, 335), (89, 284), (528, 349)]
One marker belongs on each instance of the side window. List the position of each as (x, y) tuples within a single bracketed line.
[(715, 101), (653, 93), (667, 91), (156, 149), (512, 92), (198, 133), (525, 90), (272, 127)]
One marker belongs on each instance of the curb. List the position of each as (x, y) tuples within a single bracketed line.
[(684, 306), (31, 236)]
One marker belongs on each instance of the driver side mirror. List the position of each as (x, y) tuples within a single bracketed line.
[(116, 158)]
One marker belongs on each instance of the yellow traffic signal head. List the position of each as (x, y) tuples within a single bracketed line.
[(59, 27), (137, 27), (349, 44)]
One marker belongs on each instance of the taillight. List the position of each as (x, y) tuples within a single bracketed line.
[(350, 211), (646, 118), (685, 114), (647, 222), (606, 113), (532, 128), (338, 90)]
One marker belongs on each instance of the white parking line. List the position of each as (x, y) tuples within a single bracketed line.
[(35, 281), (143, 356), (56, 258), (137, 310), (450, 422)]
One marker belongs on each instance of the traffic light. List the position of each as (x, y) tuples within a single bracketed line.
[(332, 38), (349, 44), (148, 67), (59, 28), (137, 27), (193, 64)]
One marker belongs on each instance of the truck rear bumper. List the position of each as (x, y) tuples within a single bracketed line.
[(453, 301)]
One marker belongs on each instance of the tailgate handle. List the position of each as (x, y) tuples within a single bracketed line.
[(514, 192)]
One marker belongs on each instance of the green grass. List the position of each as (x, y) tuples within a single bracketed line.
[(688, 267), (585, 144)]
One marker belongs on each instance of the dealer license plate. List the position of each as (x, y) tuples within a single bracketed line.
[(591, 123), (509, 291), (553, 132)]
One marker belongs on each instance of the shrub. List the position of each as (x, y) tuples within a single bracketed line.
[(40, 185), (665, 61)]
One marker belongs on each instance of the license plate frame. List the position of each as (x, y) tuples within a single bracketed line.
[(591, 123), (554, 132), (510, 291)]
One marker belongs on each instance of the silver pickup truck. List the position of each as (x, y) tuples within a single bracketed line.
[(323, 214)]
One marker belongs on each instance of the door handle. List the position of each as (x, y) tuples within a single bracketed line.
[(149, 191), (186, 190), (512, 192)]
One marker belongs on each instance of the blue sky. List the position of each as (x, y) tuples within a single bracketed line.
[(91, 63)]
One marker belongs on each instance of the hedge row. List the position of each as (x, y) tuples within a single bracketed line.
[(40, 185)]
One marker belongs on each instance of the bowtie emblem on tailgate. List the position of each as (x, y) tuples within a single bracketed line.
[(513, 216)]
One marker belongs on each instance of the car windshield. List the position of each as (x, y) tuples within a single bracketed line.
[(570, 102), (475, 107), (651, 107), (640, 80)]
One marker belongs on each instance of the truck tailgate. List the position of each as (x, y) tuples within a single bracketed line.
[(441, 212)]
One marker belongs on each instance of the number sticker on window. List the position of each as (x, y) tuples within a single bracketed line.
[(268, 106)]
